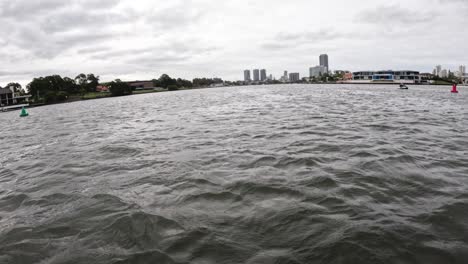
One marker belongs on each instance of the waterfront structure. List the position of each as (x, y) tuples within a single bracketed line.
[(294, 77), (317, 71), (256, 75), (102, 88), (324, 61), (387, 77), (141, 85), (263, 75), (247, 77), (426, 77), (347, 76), (6, 96)]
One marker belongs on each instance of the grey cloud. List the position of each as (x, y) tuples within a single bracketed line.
[(23, 8), (10, 73), (43, 45), (393, 15), (33, 8), (158, 60), (92, 50), (78, 19), (121, 53), (275, 46), (181, 14), (285, 40)]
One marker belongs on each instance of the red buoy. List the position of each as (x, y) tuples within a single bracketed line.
[(454, 89)]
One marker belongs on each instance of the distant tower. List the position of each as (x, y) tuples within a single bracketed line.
[(263, 75), (438, 70), (247, 77), (324, 61), (256, 75), (461, 71)]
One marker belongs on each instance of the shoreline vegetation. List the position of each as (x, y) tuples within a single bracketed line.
[(54, 89)]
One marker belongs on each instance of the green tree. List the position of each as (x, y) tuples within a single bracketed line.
[(69, 86), (119, 88), (165, 80), (181, 83), (203, 82), (92, 82), (81, 81)]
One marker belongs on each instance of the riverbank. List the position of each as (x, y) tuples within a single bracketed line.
[(103, 95)]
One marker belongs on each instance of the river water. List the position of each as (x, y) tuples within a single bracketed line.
[(264, 174)]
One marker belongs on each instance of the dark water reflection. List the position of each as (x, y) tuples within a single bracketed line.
[(279, 174)]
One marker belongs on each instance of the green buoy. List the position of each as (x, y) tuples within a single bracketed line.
[(24, 113)]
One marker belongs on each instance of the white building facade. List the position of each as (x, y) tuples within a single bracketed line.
[(317, 71)]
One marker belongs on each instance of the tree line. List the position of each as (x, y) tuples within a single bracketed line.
[(165, 81), (55, 88)]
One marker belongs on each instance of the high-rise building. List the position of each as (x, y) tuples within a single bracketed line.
[(443, 74), (438, 70), (324, 61), (263, 75), (284, 78), (294, 77), (317, 71), (461, 71), (247, 77), (256, 75)]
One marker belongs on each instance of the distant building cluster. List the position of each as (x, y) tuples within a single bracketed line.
[(444, 73), (258, 76), (322, 73)]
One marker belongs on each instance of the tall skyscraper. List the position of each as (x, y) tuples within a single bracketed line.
[(256, 75), (247, 77), (324, 61), (263, 75)]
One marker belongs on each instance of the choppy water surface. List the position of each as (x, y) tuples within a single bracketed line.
[(267, 174)]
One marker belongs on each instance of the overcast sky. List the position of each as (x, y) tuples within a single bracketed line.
[(141, 39)]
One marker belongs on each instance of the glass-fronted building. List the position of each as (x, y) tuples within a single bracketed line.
[(387, 76)]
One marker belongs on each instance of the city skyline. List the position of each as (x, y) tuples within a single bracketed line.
[(144, 39)]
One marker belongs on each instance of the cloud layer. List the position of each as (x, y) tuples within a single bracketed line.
[(142, 39)]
